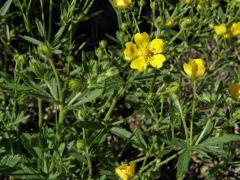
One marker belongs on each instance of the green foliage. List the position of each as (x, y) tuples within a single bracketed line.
[(72, 107)]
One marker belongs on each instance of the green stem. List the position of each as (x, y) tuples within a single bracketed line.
[(117, 96), (50, 19), (88, 157), (176, 101), (176, 36), (40, 117), (193, 111)]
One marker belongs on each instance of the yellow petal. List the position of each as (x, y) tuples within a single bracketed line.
[(121, 3), (139, 64), (125, 171), (235, 29), (131, 170), (200, 67), (156, 46), (220, 29), (131, 51), (194, 68), (157, 60), (141, 39), (235, 90), (187, 69)]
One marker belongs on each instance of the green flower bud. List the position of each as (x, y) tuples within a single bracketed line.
[(103, 44), (19, 58), (99, 52), (142, 3), (69, 59), (185, 23), (81, 144), (124, 26), (74, 84), (44, 50), (153, 5)]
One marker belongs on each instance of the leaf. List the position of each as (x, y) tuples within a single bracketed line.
[(122, 133), (40, 28), (136, 138), (31, 40), (5, 7), (221, 140), (183, 163), (85, 97), (10, 160), (91, 125), (175, 143)]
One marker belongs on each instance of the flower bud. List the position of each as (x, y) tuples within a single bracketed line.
[(69, 59), (44, 50), (81, 144), (19, 58), (103, 44), (185, 23), (74, 84)]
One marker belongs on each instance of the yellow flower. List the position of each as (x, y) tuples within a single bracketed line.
[(235, 29), (234, 89), (143, 52), (169, 23), (220, 29), (227, 35), (122, 3), (194, 68), (126, 171)]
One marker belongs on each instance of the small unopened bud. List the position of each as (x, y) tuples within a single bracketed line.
[(81, 144), (74, 84), (19, 58), (69, 59), (44, 50), (103, 44), (185, 23)]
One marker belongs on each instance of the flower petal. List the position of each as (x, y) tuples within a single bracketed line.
[(131, 51), (157, 60), (234, 89), (156, 46), (141, 39), (139, 64), (188, 69), (200, 67)]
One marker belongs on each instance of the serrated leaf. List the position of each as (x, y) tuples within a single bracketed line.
[(183, 163), (221, 140), (10, 160), (31, 40)]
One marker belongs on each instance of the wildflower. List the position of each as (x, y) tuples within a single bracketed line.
[(169, 23), (142, 52), (122, 3), (234, 90), (227, 35), (220, 29), (194, 68), (126, 171), (235, 29)]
